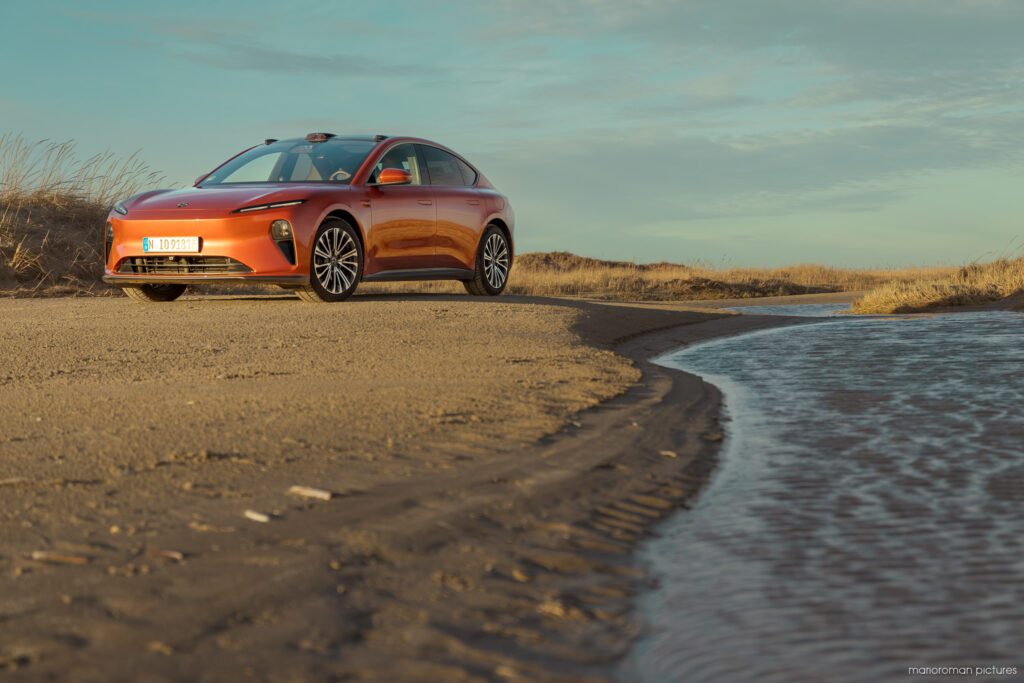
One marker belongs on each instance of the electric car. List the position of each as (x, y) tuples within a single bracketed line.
[(317, 215)]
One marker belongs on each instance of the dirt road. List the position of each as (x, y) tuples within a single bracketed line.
[(480, 523)]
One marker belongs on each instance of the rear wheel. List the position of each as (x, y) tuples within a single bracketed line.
[(493, 262), (335, 264), (154, 293)]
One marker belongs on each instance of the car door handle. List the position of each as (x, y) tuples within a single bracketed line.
[(473, 202), (425, 202)]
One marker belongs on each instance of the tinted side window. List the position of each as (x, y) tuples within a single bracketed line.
[(468, 174), (403, 157), (444, 169)]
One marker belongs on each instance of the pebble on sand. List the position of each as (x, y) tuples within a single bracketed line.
[(174, 555)]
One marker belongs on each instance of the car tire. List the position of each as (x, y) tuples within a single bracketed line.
[(493, 264), (151, 294), (335, 263)]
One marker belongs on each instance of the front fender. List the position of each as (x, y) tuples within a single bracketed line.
[(359, 214)]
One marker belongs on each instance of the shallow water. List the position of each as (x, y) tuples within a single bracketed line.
[(867, 513), (801, 310)]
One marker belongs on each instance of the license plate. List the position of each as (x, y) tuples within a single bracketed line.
[(177, 245)]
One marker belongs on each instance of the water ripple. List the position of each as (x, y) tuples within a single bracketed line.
[(867, 515)]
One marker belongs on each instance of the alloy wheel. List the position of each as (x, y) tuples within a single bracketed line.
[(496, 260), (335, 260)]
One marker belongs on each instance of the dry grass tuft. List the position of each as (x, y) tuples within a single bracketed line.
[(968, 286), (52, 210)]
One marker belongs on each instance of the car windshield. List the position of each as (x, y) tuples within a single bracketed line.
[(290, 161)]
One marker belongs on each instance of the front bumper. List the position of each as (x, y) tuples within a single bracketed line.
[(120, 280), (234, 248)]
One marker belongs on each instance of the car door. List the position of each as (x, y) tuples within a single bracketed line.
[(461, 211), (402, 217)]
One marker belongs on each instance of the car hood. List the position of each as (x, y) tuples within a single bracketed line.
[(217, 198)]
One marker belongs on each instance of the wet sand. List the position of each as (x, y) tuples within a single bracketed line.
[(491, 465)]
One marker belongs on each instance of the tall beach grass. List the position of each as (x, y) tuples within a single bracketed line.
[(52, 209), (972, 285)]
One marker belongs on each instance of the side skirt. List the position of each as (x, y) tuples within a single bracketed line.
[(420, 274)]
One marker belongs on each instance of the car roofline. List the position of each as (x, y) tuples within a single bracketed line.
[(335, 138)]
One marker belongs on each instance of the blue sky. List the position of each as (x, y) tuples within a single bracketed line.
[(734, 132)]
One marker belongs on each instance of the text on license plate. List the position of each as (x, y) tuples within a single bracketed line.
[(178, 245)]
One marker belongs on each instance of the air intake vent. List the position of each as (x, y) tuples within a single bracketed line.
[(183, 265)]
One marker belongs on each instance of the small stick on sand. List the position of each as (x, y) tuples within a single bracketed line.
[(196, 525), (310, 492), (57, 558), (170, 555)]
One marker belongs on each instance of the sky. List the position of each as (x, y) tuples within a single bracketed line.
[(726, 132)]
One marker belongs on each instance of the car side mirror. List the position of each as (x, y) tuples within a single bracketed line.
[(394, 176)]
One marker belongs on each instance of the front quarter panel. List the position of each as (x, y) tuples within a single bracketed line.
[(351, 204), (241, 236)]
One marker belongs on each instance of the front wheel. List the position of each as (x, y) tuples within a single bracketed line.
[(154, 293), (493, 262), (335, 264)]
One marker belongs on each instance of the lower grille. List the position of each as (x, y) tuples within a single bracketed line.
[(183, 265)]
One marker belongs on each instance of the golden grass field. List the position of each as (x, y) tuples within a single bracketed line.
[(975, 284), (566, 274), (53, 206)]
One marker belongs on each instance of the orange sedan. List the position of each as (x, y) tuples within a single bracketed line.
[(317, 215)]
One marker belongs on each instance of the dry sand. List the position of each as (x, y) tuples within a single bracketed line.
[(482, 514)]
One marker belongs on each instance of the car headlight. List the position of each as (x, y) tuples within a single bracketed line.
[(119, 207), (281, 230), (275, 205), (284, 237)]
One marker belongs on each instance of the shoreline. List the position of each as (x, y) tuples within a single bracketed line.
[(517, 567), (713, 330)]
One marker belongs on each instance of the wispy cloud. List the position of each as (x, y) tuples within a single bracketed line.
[(252, 56), (240, 46), (853, 39)]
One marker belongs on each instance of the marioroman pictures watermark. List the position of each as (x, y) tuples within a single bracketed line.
[(962, 670)]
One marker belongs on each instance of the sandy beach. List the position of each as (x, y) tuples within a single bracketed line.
[(490, 466)]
